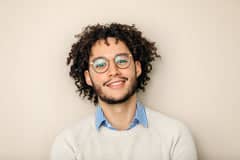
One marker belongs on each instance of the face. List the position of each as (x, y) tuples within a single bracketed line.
[(116, 84)]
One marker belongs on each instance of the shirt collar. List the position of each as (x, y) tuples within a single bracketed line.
[(100, 118), (140, 116)]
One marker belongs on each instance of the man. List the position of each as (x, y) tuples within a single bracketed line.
[(109, 64)]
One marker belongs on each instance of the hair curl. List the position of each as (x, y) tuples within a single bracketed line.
[(141, 49)]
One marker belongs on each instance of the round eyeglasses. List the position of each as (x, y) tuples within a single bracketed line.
[(101, 64)]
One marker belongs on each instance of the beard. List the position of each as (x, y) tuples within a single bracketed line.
[(111, 100)]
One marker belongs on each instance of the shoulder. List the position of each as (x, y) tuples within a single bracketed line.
[(174, 133), (164, 124), (67, 142), (77, 131)]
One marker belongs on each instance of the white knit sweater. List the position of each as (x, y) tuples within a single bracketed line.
[(164, 139)]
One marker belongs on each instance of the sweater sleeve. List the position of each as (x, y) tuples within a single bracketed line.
[(183, 147), (63, 148)]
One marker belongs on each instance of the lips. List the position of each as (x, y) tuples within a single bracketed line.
[(116, 83)]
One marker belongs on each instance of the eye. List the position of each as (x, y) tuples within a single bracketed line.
[(122, 59), (100, 63)]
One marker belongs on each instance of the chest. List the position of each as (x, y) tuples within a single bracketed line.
[(142, 146)]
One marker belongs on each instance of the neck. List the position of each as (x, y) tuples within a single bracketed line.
[(120, 115)]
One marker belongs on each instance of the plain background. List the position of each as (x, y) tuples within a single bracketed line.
[(197, 80)]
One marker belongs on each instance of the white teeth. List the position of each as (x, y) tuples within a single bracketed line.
[(116, 83)]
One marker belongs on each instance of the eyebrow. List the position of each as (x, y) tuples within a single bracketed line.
[(123, 53)]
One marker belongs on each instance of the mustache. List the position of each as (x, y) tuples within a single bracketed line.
[(121, 78)]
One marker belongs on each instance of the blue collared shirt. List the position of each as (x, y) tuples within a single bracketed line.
[(139, 118)]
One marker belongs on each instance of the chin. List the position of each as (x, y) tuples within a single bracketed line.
[(115, 100)]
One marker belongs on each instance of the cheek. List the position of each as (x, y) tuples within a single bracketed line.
[(98, 80), (132, 72)]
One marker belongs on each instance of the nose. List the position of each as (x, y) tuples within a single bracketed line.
[(113, 70)]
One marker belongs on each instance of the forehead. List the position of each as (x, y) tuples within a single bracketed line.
[(102, 49)]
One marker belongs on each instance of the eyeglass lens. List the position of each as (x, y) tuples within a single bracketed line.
[(101, 64)]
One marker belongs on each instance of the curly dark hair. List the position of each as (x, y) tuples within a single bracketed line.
[(142, 50)]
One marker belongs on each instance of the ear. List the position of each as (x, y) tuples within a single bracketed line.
[(87, 78), (138, 68)]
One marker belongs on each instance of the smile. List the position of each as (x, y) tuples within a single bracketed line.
[(116, 84)]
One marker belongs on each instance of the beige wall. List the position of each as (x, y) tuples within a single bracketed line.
[(197, 80)]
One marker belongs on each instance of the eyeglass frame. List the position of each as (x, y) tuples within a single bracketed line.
[(108, 62)]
